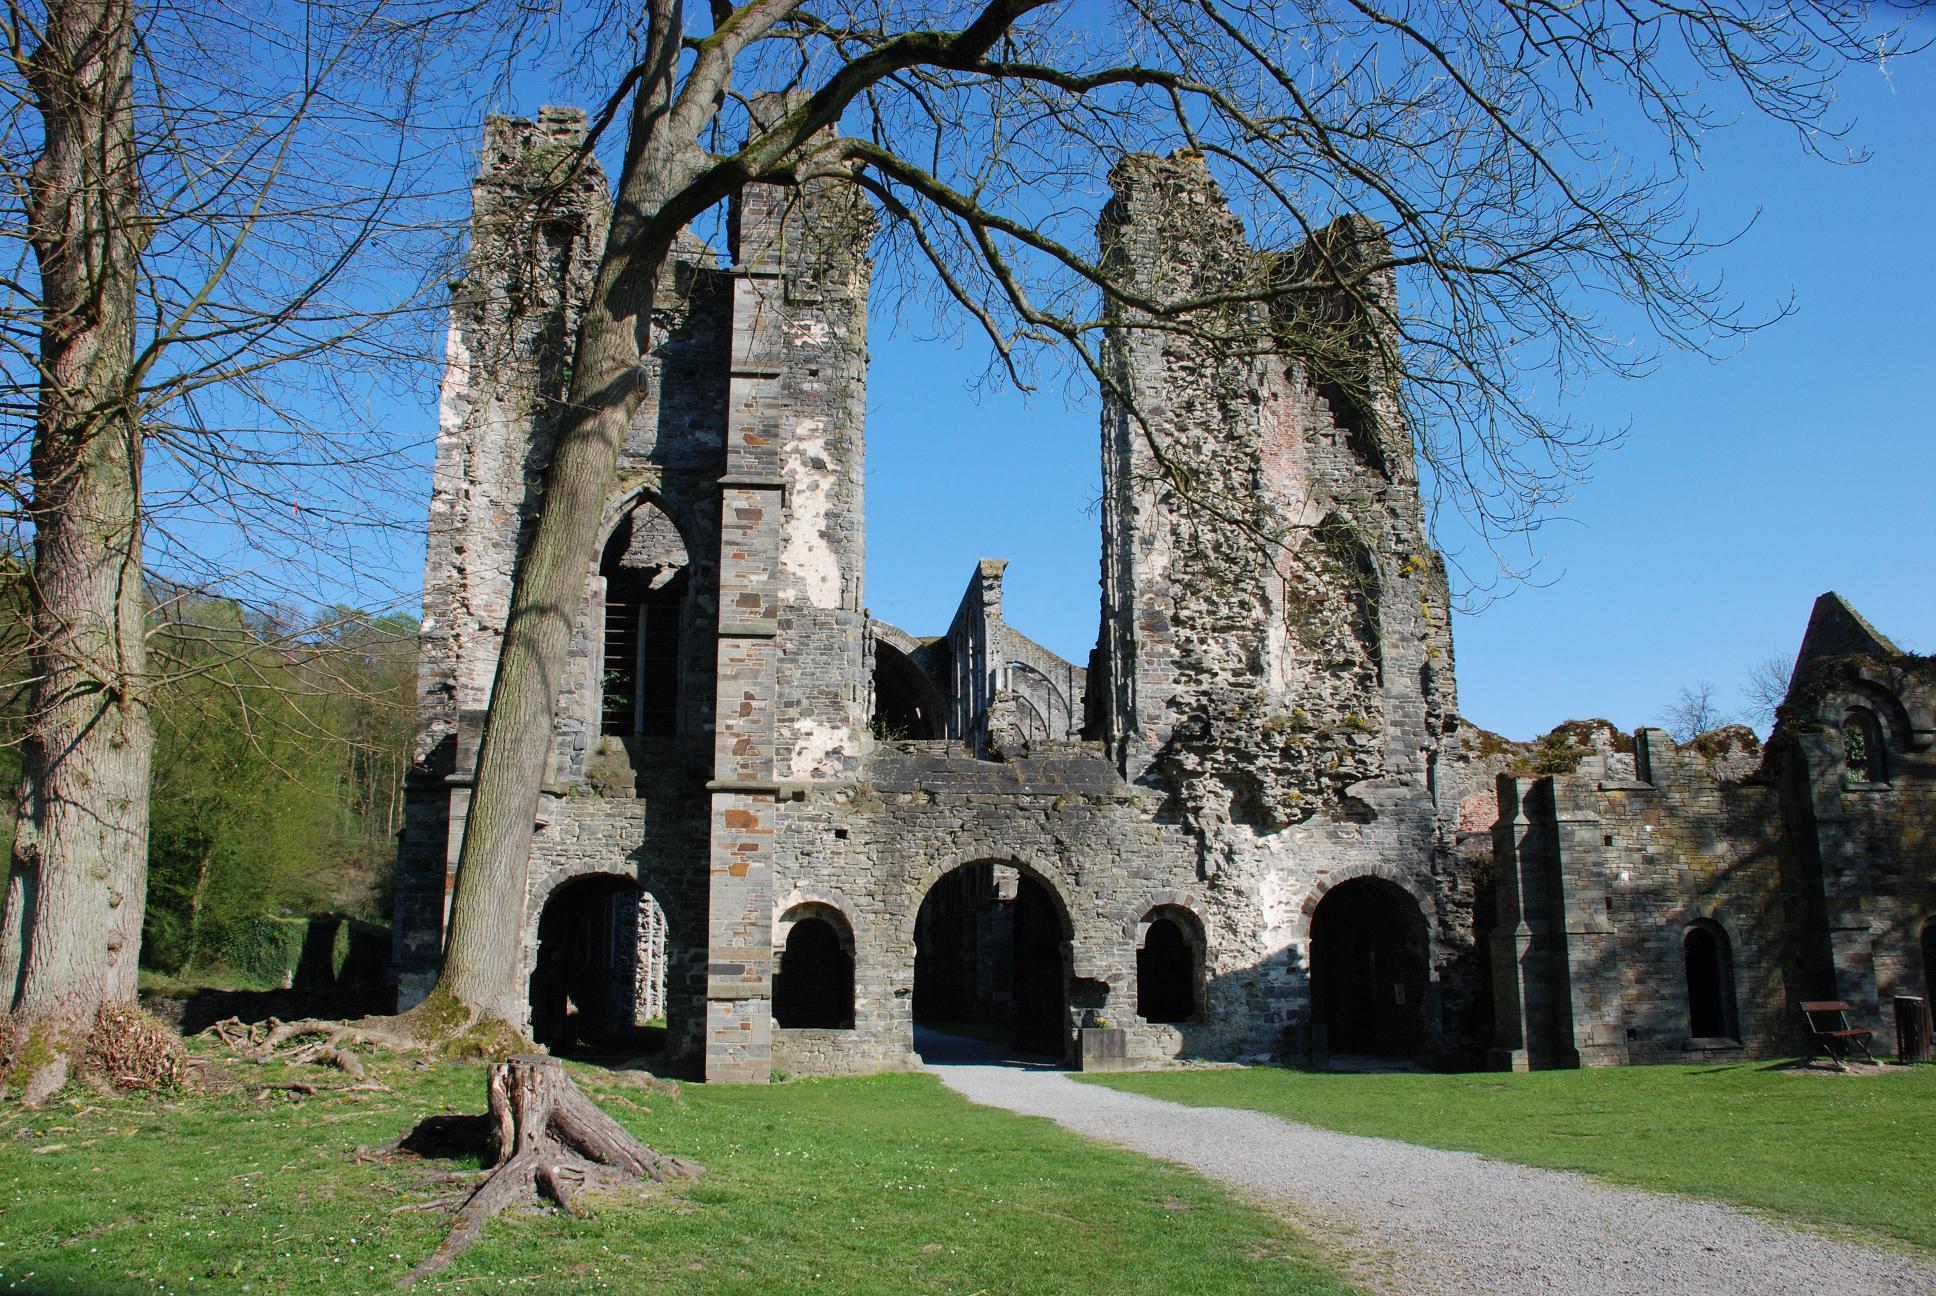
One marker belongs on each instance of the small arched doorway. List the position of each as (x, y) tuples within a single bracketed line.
[(1710, 981), (813, 980), (991, 959), (1370, 951), (600, 970), (1169, 967)]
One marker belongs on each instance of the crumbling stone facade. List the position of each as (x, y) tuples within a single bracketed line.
[(1248, 826), (1677, 903)]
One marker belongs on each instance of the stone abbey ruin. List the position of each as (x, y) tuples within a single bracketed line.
[(1251, 823)]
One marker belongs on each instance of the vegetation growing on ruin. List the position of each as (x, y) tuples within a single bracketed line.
[(885, 1185), (1819, 1149)]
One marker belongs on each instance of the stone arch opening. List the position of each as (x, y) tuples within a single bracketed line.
[(906, 703), (1370, 956), (600, 967), (1169, 966), (991, 959), (813, 979), (644, 571), (1863, 750), (1710, 981)]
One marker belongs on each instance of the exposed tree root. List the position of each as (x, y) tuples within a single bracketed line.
[(551, 1140), (328, 1041)]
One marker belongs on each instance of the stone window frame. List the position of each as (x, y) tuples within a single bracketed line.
[(620, 508), (1722, 943), (1875, 738), (1195, 939), (799, 911)]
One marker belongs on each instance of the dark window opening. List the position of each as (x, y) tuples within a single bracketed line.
[(814, 982), (906, 703), (1352, 415), (1710, 982), (991, 960), (642, 658), (1369, 955), (1166, 974)]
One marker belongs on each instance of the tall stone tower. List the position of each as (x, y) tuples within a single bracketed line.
[(1275, 655)]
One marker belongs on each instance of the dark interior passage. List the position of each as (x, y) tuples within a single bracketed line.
[(990, 960), (585, 984), (814, 982), (1166, 974), (1369, 951)]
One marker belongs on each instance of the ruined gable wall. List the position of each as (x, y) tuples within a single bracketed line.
[(1875, 839)]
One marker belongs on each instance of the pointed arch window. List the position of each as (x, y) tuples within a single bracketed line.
[(644, 567)]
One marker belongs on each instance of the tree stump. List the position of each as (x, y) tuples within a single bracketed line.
[(551, 1139)]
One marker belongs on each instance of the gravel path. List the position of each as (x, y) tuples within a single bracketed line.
[(1436, 1221)]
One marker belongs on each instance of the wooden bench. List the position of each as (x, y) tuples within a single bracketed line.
[(1828, 1022)]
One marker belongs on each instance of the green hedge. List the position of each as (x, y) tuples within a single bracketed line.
[(263, 948), (320, 952)]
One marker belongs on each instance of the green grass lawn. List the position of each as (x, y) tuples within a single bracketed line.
[(1846, 1150), (888, 1185)]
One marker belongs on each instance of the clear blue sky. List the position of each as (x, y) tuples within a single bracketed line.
[(1804, 463)]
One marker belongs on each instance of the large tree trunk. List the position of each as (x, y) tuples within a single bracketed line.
[(481, 959), (74, 920)]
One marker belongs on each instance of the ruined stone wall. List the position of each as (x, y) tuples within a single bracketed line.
[(1615, 870), (1002, 687), (874, 849), (1276, 662)]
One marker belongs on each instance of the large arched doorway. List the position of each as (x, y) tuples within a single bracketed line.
[(1369, 954), (991, 959), (600, 971)]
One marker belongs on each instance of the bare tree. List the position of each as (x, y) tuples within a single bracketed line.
[(205, 203), (1766, 688), (1476, 133), (1695, 710)]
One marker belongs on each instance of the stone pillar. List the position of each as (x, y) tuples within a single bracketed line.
[(1850, 938), (744, 787), (1532, 1003), (1592, 952)]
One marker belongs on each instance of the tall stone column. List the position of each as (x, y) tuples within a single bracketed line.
[(744, 786)]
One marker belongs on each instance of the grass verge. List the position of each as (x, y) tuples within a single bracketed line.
[(1856, 1151), (885, 1185)]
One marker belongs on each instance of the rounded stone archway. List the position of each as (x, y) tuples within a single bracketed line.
[(599, 970), (1370, 961), (991, 959)]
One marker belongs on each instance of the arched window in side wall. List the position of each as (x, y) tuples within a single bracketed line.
[(1169, 970), (1710, 982), (1862, 748), (813, 985)]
